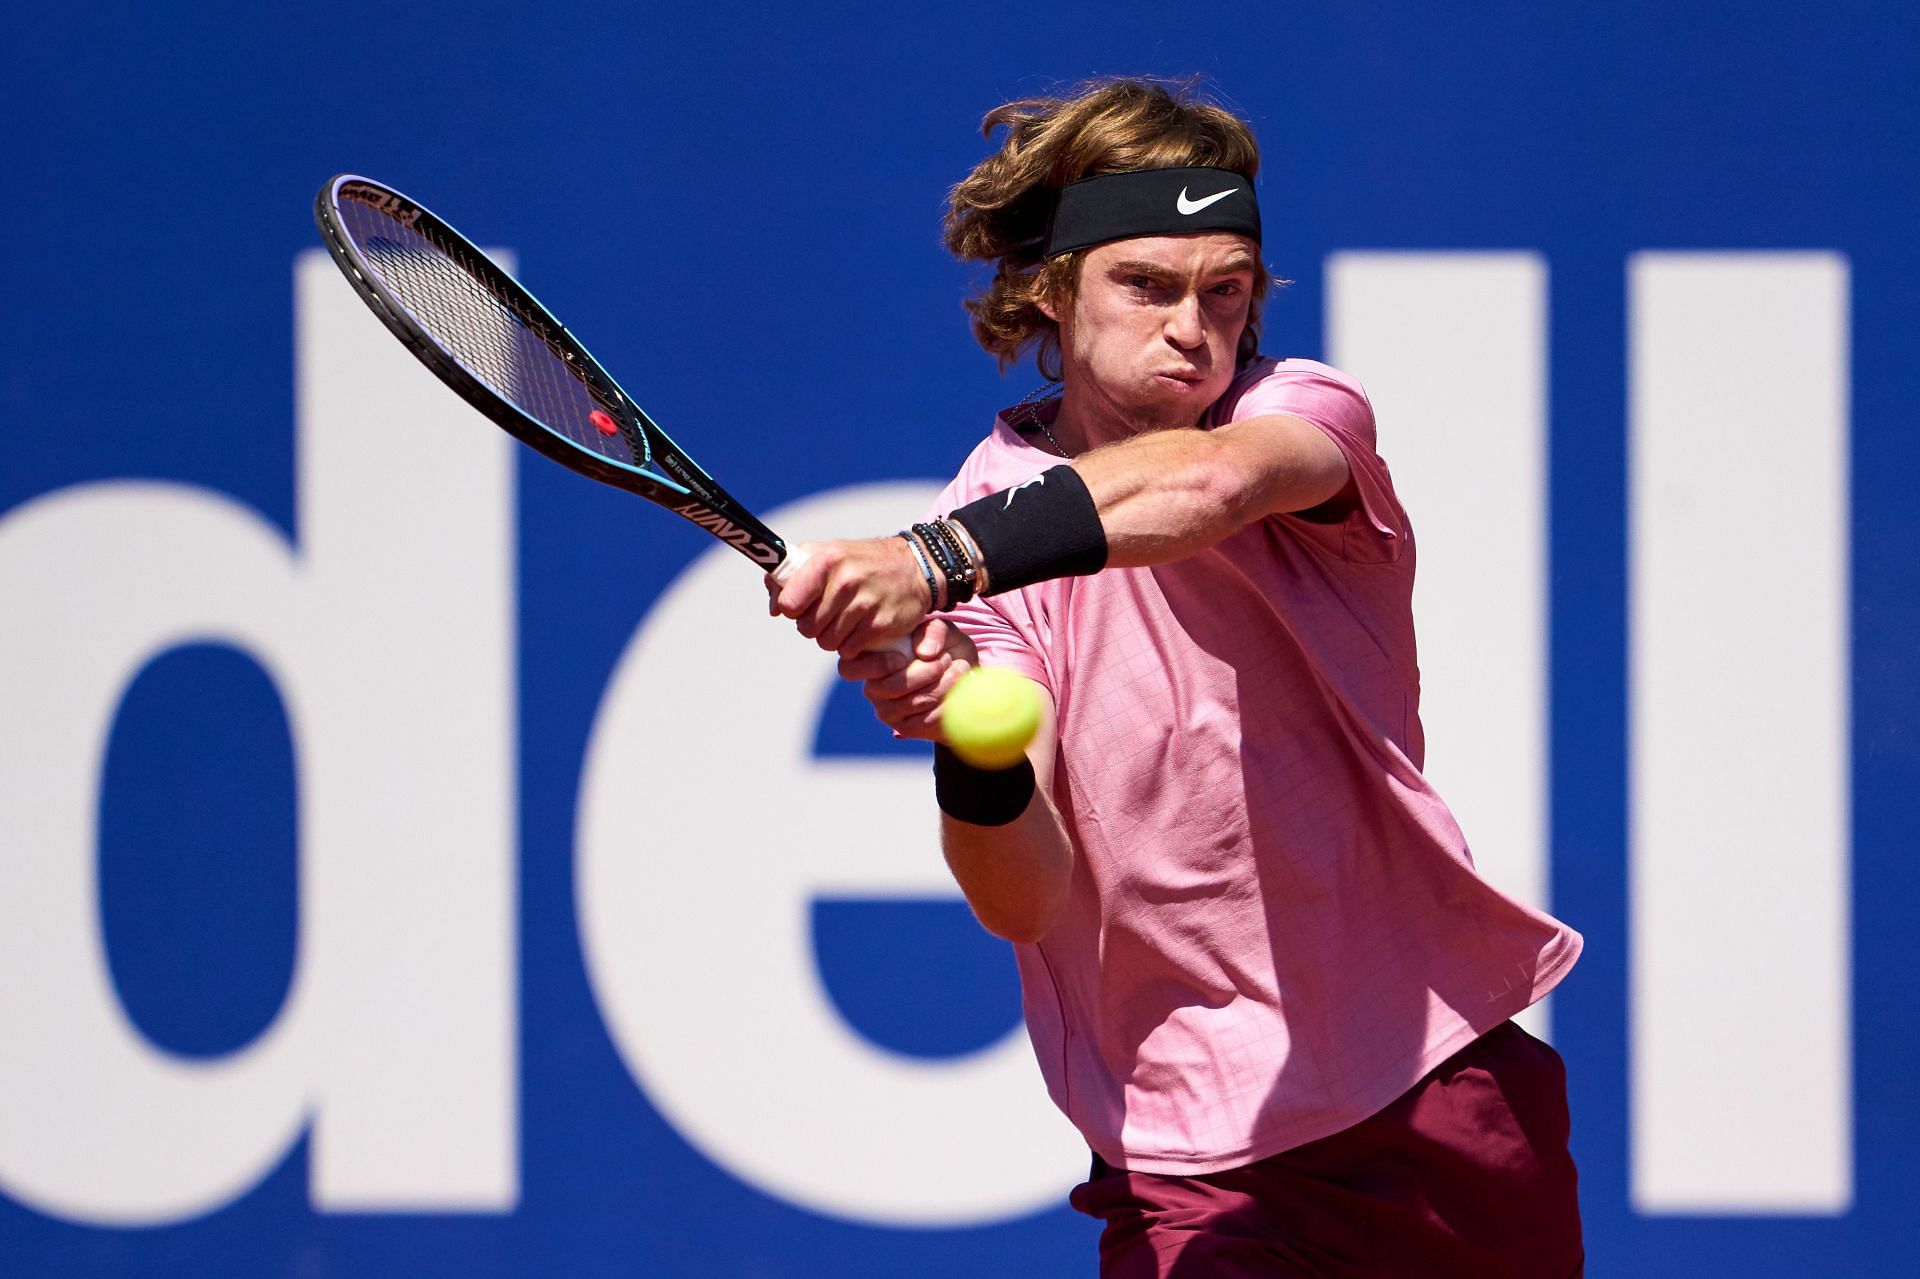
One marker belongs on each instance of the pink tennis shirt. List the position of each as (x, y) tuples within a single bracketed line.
[(1274, 927)]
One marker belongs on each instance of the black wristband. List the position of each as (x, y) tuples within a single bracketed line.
[(1037, 531), (980, 796)]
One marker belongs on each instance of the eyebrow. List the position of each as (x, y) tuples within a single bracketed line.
[(1139, 268), (1233, 265)]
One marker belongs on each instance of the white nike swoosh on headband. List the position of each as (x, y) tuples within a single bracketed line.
[(1190, 207)]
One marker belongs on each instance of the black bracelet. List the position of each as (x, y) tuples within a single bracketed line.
[(942, 557), (949, 538), (959, 584), (1045, 528), (979, 796), (933, 584)]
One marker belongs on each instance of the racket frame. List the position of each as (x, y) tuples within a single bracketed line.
[(686, 489)]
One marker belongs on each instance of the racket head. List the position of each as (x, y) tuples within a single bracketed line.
[(483, 334)]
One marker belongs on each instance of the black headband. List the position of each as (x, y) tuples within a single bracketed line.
[(1119, 206)]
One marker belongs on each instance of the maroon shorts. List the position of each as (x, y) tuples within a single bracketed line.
[(1467, 1175)]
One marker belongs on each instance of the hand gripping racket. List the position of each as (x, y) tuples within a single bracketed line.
[(492, 341)]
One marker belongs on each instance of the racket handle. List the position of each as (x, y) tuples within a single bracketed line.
[(795, 558)]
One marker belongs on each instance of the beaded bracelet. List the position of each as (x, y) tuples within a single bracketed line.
[(952, 561), (951, 539)]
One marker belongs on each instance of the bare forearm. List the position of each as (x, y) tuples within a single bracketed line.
[(1170, 494), (1015, 877)]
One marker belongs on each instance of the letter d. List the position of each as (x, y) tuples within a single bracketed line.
[(389, 635)]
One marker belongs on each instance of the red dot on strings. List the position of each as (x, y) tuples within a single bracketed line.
[(606, 424)]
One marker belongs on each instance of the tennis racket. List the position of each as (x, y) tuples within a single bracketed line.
[(490, 340)]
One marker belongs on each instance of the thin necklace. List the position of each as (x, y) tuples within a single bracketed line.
[(1028, 413)]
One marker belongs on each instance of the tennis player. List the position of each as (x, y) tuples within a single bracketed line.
[(1259, 971)]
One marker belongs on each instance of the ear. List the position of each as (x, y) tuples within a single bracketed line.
[(1056, 302)]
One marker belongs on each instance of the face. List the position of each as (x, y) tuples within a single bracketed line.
[(1149, 341)]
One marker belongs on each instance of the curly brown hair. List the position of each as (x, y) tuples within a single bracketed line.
[(998, 213)]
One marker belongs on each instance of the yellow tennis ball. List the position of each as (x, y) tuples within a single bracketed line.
[(989, 716)]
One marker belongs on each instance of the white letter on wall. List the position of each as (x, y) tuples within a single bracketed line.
[(1452, 348), (707, 827), (1741, 1058), (389, 635)]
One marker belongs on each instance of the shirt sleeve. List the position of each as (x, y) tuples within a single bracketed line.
[(1339, 407), (1004, 635)]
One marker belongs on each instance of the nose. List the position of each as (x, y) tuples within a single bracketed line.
[(1186, 325)]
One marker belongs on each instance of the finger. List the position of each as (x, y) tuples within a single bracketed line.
[(918, 676), (900, 646), (896, 712), (871, 664), (777, 576), (949, 676), (798, 579), (850, 626), (796, 556), (931, 639), (838, 610), (915, 678), (868, 637), (958, 645), (919, 727)]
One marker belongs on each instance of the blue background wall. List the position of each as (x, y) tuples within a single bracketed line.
[(737, 207)]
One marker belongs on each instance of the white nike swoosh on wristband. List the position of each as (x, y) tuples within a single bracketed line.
[(1038, 479), (1190, 207)]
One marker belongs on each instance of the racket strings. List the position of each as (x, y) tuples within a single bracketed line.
[(493, 333)]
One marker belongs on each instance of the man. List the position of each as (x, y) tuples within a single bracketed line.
[(1258, 970)]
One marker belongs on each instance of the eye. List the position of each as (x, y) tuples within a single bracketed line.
[(1226, 289), (1141, 282)]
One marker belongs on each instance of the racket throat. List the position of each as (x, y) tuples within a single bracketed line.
[(752, 539)]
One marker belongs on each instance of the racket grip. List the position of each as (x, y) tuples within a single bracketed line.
[(900, 644)]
